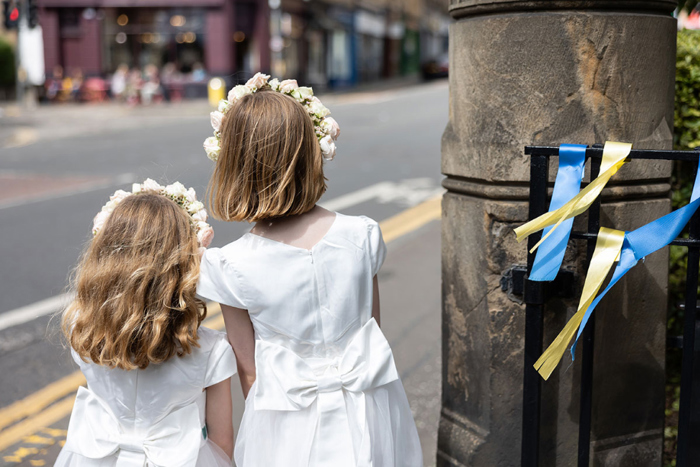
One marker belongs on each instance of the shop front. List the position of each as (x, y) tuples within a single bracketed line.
[(196, 38)]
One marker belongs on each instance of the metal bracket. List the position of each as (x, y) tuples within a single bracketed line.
[(515, 284)]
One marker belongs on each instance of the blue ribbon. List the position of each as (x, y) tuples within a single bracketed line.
[(567, 185), (645, 241)]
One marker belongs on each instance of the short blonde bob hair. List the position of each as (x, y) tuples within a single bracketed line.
[(135, 287), (270, 164)]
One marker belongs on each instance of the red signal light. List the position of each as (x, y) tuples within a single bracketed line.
[(14, 14)]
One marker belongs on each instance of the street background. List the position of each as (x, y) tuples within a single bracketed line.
[(58, 165)]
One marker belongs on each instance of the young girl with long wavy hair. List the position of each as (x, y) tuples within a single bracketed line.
[(299, 293), (158, 389)]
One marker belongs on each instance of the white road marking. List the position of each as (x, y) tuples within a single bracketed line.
[(34, 311), (406, 193), (122, 179)]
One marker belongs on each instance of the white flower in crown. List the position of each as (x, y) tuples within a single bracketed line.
[(195, 207), (318, 109), (151, 185), (99, 221), (326, 128), (176, 189), (216, 120), (328, 148), (119, 195), (211, 146), (186, 198), (238, 92), (200, 215), (306, 92), (191, 196)]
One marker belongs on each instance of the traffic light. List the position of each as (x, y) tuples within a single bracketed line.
[(10, 14), (32, 13)]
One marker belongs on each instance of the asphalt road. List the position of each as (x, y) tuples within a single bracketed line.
[(69, 160)]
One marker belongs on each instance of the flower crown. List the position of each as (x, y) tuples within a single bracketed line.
[(185, 198), (326, 128)]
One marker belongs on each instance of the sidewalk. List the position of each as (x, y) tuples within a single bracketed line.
[(21, 127)]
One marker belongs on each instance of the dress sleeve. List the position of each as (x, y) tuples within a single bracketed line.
[(377, 247), (218, 280), (221, 363)]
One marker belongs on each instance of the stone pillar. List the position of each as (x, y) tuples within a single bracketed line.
[(545, 73)]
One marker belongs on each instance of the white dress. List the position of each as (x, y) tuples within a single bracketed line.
[(150, 417), (327, 392)]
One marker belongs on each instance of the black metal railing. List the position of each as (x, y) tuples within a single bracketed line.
[(535, 297)]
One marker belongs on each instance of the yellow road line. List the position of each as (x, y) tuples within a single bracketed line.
[(33, 424), (411, 219), (68, 384), (40, 399), (392, 228)]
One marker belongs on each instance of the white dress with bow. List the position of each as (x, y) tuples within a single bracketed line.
[(150, 417), (327, 392)]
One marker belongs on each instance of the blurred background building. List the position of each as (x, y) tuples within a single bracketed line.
[(116, 47)]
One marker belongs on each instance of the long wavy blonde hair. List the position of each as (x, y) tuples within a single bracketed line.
[(135, 287)]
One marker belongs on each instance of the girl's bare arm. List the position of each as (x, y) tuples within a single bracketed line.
[(219, 415), (375, 301), (242, 338)]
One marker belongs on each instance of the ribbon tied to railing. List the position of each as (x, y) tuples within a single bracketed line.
[(614, 155), (627, 248), (567, 185)]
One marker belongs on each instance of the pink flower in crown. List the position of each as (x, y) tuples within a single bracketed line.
[(332, 127), (288, 85), (205, 234), (257, 81), (216, 119)]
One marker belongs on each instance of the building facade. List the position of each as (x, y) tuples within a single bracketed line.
[(339, 43), (325, 43), (97, 36)]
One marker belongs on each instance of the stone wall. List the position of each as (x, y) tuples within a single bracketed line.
[(546, 73)]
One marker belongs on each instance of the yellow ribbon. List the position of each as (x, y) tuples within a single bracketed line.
[(614, 155), (607, 252)]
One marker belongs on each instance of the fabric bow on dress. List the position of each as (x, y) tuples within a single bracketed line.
[(288, 382), (95, 432)]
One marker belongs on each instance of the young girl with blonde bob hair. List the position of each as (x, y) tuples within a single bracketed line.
[(158, 388), (299, 296)]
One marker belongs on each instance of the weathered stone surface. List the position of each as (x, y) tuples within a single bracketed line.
[(483, 338), (559, 77), (524, 74), (460, 8)]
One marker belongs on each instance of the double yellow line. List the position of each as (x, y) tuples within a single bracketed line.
[(55, 401)]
